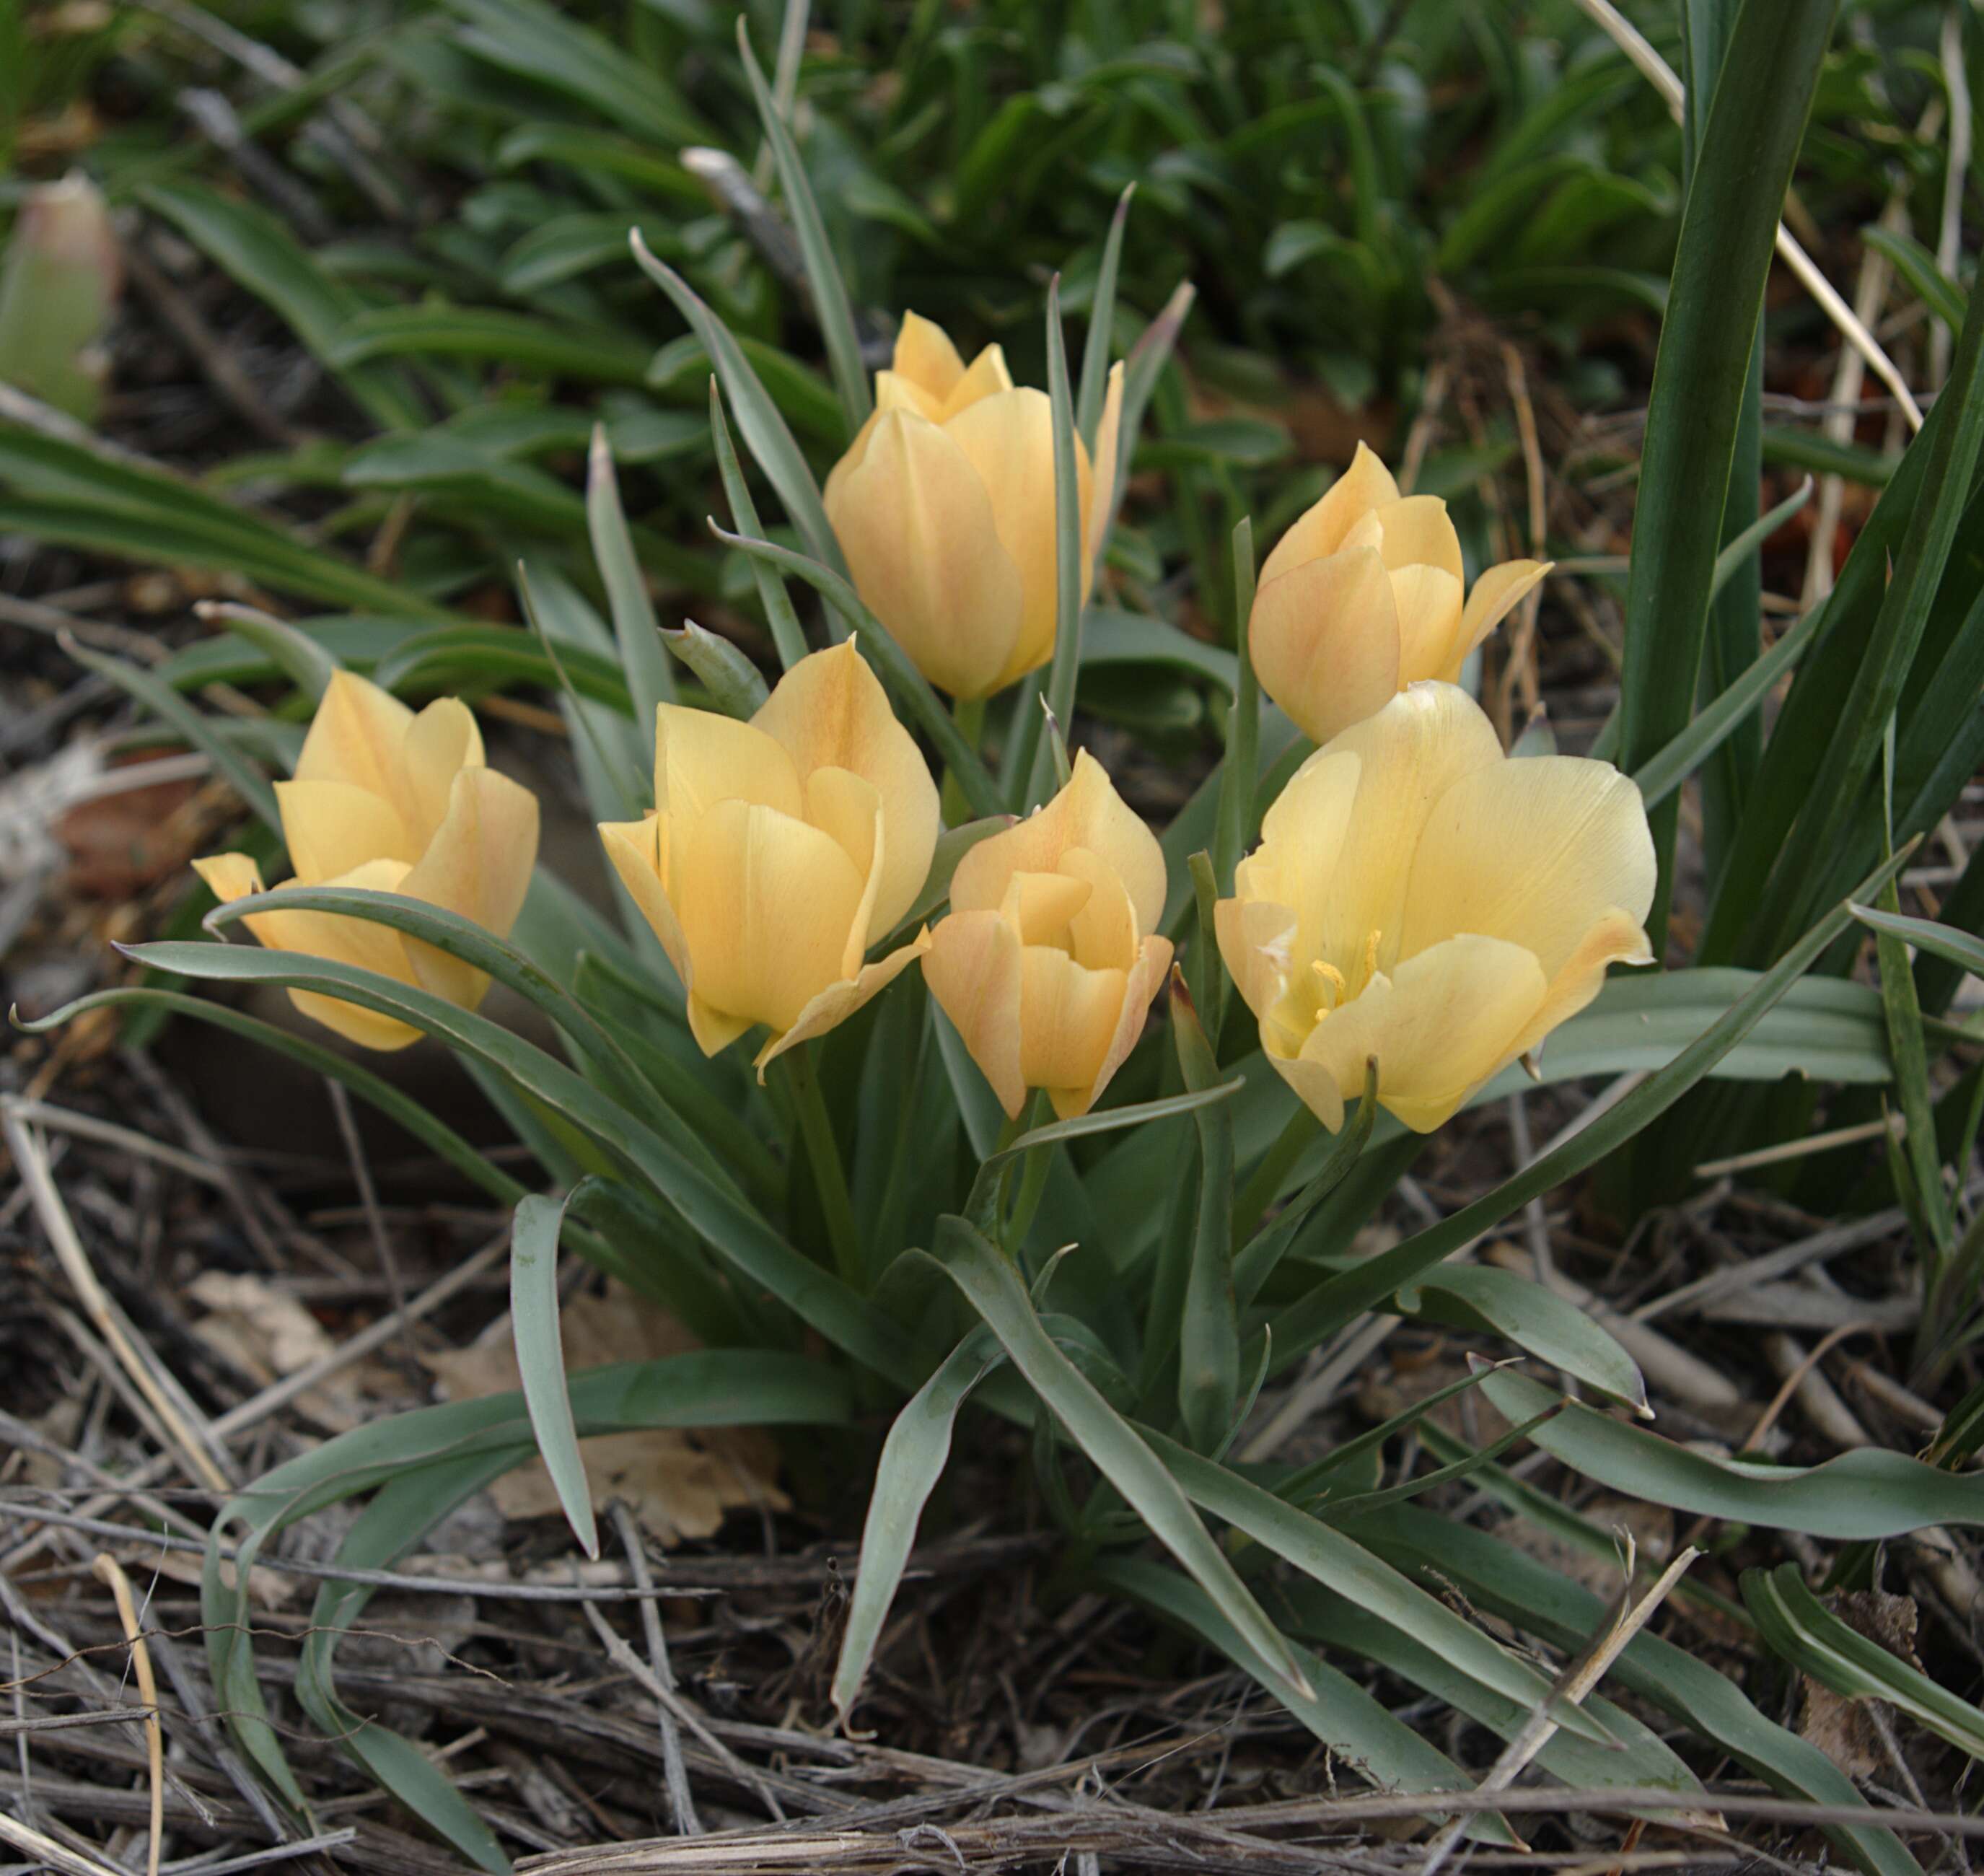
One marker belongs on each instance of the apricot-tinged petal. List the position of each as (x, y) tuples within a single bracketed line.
[(926, 357), (923, 545), (1618, 937), (1039, 906), (1323, 639), (1141, 982), (829, 711), (1416, 531), (1537, 851), (633, 847), (839, 1001), (1439, 1027), (230, 877), (1103, 931), (973, 970), (985, 378), (1087, 813), (441, 742), (1367, 484), (1067, 1017), (478, 865), (766, 903), (1428, 599), (361, 942), (1008, 439), (332, 826), (701, 758), (355, 736), (1497, 594)]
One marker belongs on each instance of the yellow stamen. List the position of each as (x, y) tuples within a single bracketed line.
[(1335, 989)]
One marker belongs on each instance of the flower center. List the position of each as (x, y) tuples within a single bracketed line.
[(1334, 989)]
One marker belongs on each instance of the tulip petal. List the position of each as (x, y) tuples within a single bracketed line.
[(714, 1030), (230, 877), (1087, 813), (701, 758), (848, 809), (1315, 1086), (1324, 638), (857, 450), (923, 546), (1439, 1027), (839, 1001), (829, 711), (1108, 431), (1141, 982), (1367, 484), (1257, 940), (895, 392), (1103, 929), (1497, 594), (766, 902), (332, 826), (633, 847), (1417, 531), (1414, 751), (988, 376), (1428, 599), (478, 864), (1040, 906), (1618, 937), (925, 356), (973, 970), (441, 742), (355, 736), (1537, 852), (1068, 1018), (1008, 438), (1297, 865)]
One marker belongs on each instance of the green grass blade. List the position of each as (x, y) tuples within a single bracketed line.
[(300, 658), (1342, 1564), (786, 632), (736, 686), (1243, 737), (914, 1457), (1208, 1330), (993, 1288), (1814, 1641), (1867, 1492), (1096, 347), (1756, 120), (166, 703), (709, 1202), (1069, 553), (1917, 266), (765, 433), (1337, 1299), (651, 678), (534, 1322), (830, 290)]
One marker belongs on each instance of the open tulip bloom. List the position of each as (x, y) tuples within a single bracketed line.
[(1363, 596), (1419, 899), (388, 801), (944, 507), (778, 849), (1047, 962)]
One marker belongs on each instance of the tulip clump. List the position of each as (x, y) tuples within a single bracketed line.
[(1419, 899), (1048, 960), (1363, 596), (944, 507), (384, 801), (778, 849)]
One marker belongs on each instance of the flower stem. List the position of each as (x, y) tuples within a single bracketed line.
[(1033, 1180), (969, 714), (1269, 1177), (830, 1176)]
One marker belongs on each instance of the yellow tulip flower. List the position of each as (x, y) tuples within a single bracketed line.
[(1362, 596), (778, 849), (1420, 899), (1047, 962), (389, 801), (944, 507)]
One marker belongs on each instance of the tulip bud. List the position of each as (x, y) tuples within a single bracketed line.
[(944, 507), (1047, 962), (60, 281), (387, 801), (1419, 899), (778, 849), (1362, 596)]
